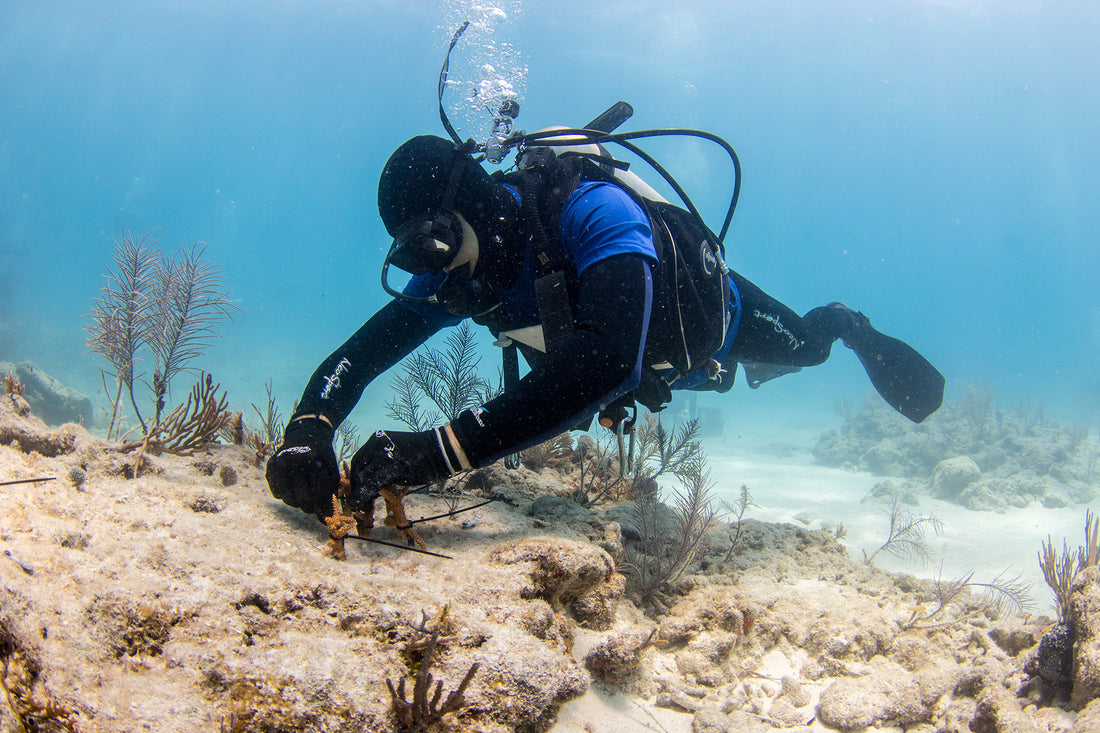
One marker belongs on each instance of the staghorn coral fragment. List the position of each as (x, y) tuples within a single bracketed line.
[(395, 516), (12, 385), (339, 526)]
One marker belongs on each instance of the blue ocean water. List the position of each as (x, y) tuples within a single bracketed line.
[(932, 163)]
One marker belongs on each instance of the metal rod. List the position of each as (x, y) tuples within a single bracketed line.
[(28, 480), (394, 544), (456, 511)]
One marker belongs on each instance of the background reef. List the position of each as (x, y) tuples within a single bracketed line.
[(971, 452)]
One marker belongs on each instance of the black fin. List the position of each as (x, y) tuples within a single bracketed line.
[(904, 378)]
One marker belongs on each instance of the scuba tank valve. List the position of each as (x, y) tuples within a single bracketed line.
[(503, 124)]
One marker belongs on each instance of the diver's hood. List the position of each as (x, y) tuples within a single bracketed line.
[(442, 209), (428, 173)]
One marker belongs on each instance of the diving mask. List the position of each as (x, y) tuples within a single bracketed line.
[(441, 244)]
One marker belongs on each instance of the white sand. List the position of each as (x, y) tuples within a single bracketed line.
[(780, 471)]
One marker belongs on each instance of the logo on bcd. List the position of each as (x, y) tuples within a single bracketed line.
[(710, 262)]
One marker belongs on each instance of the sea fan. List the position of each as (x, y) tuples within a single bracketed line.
[(165, 306), (119, 316), (448, 378), (187, 302)]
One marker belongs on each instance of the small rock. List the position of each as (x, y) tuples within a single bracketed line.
[(561, 570), (1055, 501), (782, 711), (678, 700), (77, 477), (998, 712), (74, 540), (889, 695), (710, 721), (205, 466), (1013, 641), (795, 693), (227, 475), (596, 609), (1088, 720), (613, 541), (1085, 617), (952, 475), (988, 495), (204, 504), (22, 407), (691, 664), (743, 722), (619, 657), (550, 508)]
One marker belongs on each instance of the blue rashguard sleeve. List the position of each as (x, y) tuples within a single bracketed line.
[(601, 220)]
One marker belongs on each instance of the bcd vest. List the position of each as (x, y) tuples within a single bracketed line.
[(691, 284)]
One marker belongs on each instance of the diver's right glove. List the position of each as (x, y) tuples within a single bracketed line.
[(303, 471), (390, 457)]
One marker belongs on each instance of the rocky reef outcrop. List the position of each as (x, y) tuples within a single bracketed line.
[(972, 453)]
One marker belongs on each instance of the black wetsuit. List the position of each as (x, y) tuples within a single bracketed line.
[(597, 360), (600, 361), (772, 333)]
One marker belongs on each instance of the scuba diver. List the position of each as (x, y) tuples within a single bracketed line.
[(610, 296), (614, 295)]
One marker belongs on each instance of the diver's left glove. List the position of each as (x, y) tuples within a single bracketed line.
[(303, 471), (408, 459)]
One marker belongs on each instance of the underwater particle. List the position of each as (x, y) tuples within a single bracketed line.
[(227, 475), (77, 477)]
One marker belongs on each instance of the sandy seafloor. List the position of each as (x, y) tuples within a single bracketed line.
[(774, 459)]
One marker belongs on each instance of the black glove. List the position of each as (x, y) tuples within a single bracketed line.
[(408, 459), (303, 471)]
